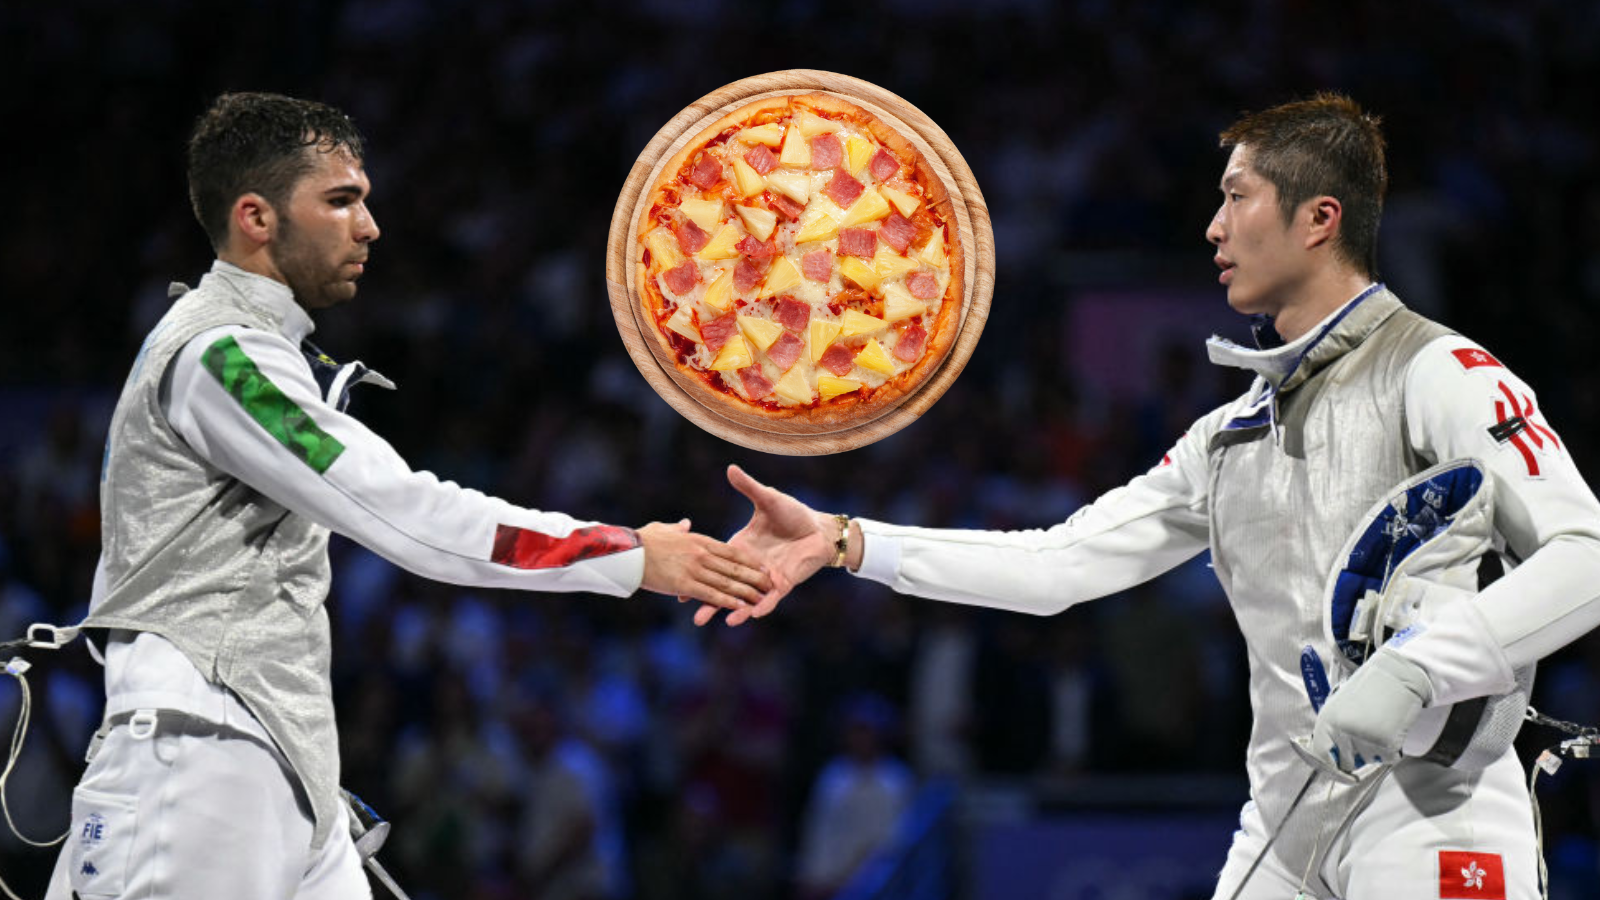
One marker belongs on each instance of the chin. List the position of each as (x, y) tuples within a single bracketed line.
[(1247, 304)]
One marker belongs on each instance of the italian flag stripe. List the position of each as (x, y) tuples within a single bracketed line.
[(280, 416), (520, 548)]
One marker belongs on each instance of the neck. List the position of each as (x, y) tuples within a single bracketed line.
[(256, 262), (1320, 300)]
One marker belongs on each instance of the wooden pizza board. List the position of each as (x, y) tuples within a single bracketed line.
[(780, 436)]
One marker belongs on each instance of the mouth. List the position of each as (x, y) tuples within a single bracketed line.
[(1227, 267)]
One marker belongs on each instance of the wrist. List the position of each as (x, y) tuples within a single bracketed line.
[(839, 533)]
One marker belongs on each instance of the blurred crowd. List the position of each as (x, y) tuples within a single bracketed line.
[(579, 747)]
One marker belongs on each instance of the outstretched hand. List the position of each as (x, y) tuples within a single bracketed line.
[(790, 538), (679, 562)]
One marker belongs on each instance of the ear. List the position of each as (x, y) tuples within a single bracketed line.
[(1325, 214), (253, 219)]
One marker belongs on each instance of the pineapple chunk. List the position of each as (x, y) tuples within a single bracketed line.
[(782, 277), (770, 134), (735, 355), (705, 213), (682, 322), (868, 207), (762, 332), (795, 186), (812, 124), (760, 222), (858, 152), (859, 272), (902, 201), (748, 180), (663, 249), (934, 254), (853, 323), (888, 263), (873, 357), (794, 387), (796, 151), (720, 293), (830, 387), (820, 227), (899, 304), (722, 246), (822, 335)]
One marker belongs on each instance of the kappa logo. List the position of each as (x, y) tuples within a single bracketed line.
[(1471, 876), (94, 831), (88, 869)]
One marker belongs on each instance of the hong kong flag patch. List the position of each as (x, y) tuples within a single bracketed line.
[(1472, 357), (1471, 876)]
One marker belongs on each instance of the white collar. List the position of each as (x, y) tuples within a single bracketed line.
[(269, 295), (1277, 363)]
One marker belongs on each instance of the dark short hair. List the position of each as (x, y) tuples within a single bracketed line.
[(258, 143), (1324, 146)]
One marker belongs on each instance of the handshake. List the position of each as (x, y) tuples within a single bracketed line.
[(784, 543)]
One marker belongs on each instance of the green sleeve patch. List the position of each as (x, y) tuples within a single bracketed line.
[(280, 416)]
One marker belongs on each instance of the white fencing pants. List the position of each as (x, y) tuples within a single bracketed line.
[(197, 810), (1429, 832)]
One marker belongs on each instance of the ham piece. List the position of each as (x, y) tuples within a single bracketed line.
[(756, 382), (682, 278), (922, 285), (818, 264), (717, 331), (785, 350)]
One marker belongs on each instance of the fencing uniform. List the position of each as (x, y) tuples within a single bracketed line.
[(228, 462), (1272, 484)]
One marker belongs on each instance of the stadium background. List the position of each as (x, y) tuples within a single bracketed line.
[(1094, 754)]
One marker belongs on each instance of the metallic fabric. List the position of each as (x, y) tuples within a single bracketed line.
[(235, 581), (1283, 499)]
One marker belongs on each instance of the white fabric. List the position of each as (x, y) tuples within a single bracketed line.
[(417, 522), (1366, 720), (1392, 848), (1128, 536), (197, 811), (1551, 521), (1547, 518), (434, 528), (148, 672)]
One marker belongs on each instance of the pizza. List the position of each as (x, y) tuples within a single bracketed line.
[(800, 260)]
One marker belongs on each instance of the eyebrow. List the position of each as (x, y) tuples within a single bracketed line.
[(347, 189)]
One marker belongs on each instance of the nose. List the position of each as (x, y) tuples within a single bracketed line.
[(366, 226), (1214, 232)]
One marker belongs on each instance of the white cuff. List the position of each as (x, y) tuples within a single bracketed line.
[(880, 554), (1458, 652)]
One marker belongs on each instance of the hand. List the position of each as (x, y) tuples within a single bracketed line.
[(793, 540), (678, 561), (1366, 719)]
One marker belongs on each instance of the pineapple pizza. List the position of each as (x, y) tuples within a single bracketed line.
[(801, 260)]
